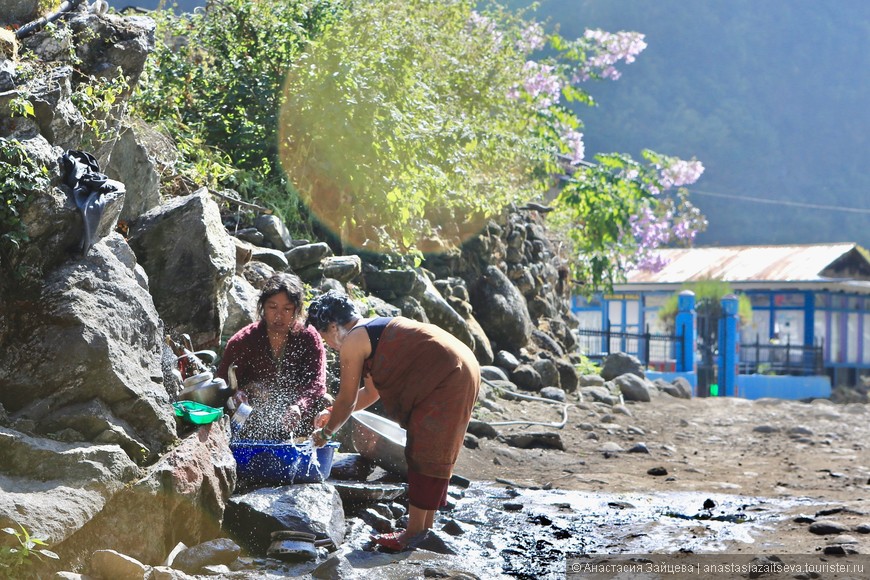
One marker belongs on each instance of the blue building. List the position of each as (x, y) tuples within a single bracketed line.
[(816, 294)]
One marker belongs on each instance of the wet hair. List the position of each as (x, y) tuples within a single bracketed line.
[(331, 307), (290, 284)]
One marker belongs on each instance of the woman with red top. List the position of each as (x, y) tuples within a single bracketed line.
[(280, 364), (428, 382)]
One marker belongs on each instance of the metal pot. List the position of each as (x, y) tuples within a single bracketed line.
[(380, 440), (204, 388)]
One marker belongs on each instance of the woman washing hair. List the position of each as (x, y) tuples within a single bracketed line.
[(428, 382)]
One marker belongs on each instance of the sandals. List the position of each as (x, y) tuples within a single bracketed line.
[(389, 541)]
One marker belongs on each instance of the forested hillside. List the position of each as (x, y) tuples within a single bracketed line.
[(771, 96)]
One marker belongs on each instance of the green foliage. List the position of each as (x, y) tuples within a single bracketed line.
[(214, 83), (398, 126), (20, 176), (403, 125), (587, 367), (98, 99), (708, 294), (14, 559), (595, 209)]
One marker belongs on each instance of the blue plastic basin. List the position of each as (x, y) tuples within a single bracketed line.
[(279, 463)]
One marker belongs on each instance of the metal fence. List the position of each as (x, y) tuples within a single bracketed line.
[(657, 351), (780, 359)]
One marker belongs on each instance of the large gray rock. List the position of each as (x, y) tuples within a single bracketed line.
[(82, 357), (132, 164), (501, 310), (302, 257), (18, 11), (274, 230), (181, 498), (620, 363), (314, 508), (342, 268), (440, 313), (241, 305), (633, 388), (391, 283), (59, 487), (109, 45), (190, 260)]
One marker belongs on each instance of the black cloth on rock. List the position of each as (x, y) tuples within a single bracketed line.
[(87, 185)]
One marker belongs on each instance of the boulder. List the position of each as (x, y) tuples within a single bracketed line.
[(84, 354), (241, 305), (620, 363), (181, 498), (501, 310), (633, 387), (132, 164), (314, 508), (189, 281), (342, 268), (274, 230), (301, 257), (440, 313)]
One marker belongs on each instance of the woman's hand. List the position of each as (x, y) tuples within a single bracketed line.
[(322, 418), (318, 439)]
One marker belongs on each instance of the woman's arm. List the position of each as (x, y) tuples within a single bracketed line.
[(366, 396), (354, 350)]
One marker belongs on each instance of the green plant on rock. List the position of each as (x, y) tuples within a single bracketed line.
[(16, 558), (20, 177), (99, 101)]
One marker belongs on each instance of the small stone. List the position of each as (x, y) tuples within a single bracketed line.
[(827, 527), (511, 506), (657, 471), (766, 429), (639, 448)]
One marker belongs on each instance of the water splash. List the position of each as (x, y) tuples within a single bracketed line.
[(308, 449)]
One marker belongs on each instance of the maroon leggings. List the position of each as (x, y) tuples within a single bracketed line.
[(426, 493)]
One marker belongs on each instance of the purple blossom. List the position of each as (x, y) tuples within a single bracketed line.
[(542, 84), (478, 20), (679, 173), (574, 140), (531, 38), (607, 49)]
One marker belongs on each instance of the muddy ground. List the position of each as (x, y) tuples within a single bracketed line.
[(672, 478), (803, 457)]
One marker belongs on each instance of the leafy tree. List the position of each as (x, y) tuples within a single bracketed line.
[(413, 121), (214, 83), (405, 125), (708, 296)]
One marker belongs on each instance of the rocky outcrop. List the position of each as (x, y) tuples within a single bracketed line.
[(189, 280), (90, 451)]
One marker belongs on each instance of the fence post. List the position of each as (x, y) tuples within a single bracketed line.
[(646, 343), (685, 328), (728, 346)]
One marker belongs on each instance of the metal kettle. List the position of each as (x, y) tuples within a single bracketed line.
[(207, 389)]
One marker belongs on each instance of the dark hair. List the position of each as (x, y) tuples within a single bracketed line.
[(290, 284), (330, 307)]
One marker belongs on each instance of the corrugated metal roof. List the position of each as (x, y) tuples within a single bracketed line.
[(798, 263)]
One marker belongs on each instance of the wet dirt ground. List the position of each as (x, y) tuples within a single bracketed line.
[(719, 476)]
